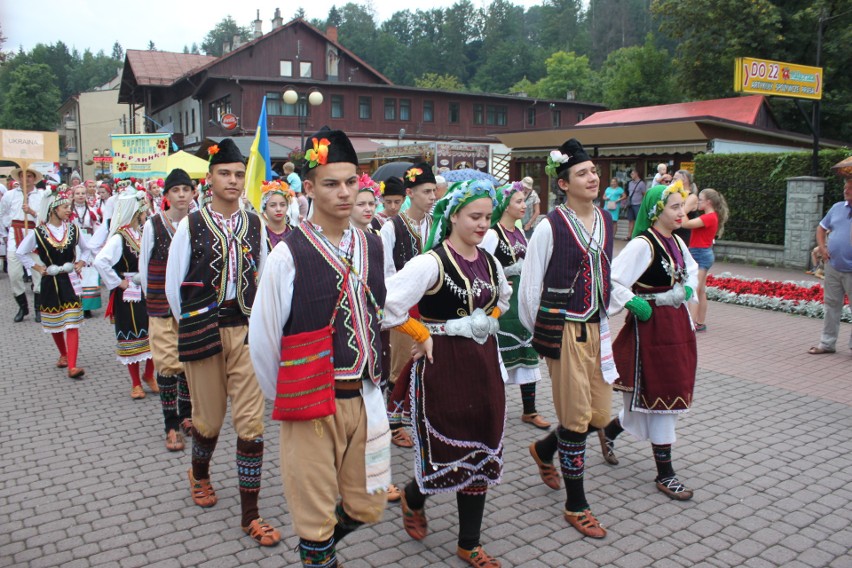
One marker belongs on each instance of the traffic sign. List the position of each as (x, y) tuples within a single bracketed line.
[(766, 77)]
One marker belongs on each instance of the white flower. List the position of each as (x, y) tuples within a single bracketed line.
[(559, 157)]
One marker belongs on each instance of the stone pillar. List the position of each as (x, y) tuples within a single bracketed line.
[(804, 212)]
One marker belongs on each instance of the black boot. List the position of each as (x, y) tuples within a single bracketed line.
[(37, 307), (23, 309)]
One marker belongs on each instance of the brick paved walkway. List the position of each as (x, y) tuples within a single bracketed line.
[(85, 479)]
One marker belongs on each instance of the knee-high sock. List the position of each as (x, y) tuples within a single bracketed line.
[(316, 554), (345, 523), (413, 496), (59, 340), (72, 338), (133, 369), (169, 400), (184, 403), (249, 469), (613, 429), (528, 398), (202, 451), (546, 447), (572, 459), (149, 370), (471, 508), (663, 459)]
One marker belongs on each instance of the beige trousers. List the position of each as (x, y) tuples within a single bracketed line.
[(400, 344), (322, 460), (580, 394), (163, 339), (226, 375)]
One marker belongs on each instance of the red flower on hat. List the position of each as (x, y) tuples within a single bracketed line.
[(318, 155), (212, 151), (413, 173)]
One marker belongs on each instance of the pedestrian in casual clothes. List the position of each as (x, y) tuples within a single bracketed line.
[(635, 193)]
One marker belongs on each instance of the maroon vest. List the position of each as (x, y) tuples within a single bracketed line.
[(155, 294)]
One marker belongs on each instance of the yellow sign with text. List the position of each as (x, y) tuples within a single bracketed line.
[(776, 78), (140, 155)]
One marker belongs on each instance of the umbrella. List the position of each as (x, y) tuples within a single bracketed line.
[(194, 166), (392, 169), (468, 174)]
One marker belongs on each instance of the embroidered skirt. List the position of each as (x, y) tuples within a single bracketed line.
[(657, 360), (516, 343), (131, 328), (458, 407), (60, 306), (91, 288)]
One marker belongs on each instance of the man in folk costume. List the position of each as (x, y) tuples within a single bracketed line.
[(162, 326), (563, 298), (403, 237), (215, 257), (118, 264), (19, 211), (327, 275), (393, 196)]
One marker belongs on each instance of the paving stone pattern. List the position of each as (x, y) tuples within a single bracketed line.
[(86, 480)]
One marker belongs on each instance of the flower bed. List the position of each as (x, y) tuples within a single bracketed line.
[(802, 298)]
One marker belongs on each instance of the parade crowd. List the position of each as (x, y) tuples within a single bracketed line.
[(374, 314)]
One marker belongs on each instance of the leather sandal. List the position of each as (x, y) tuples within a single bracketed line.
[(152, 386), (413, 520), (477, 557), (674, 489), (202, 491), (137, 392), (186, 426), (394, 494), (401, 438), (607, 448), (819, 351), (174, 441), (62, 362), (75, 373), (585, 523), (547, 471), (536, 420), (262, 532)]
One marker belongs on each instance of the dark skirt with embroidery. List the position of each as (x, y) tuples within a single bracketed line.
[(131, 328), (458, 407), (515, 341), (657, 360), (60, 305)]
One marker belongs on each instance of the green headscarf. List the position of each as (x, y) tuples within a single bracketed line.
[(504, 196), (653, 204), (458, 195)]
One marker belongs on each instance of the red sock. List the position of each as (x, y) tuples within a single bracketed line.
[(72, 337), (59, 340), (149, 370), (133, 368)]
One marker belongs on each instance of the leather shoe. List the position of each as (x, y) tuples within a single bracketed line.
[(62, 362), (536, 420), (607, 449), (548, 473), (674, 489), (76, 373), (585, 523)]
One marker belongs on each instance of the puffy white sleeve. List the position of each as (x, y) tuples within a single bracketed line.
[(269, 314), (177, 265), (97, 240), (490, 241), (24, 250), (539, 251), (691, 269), (106, 259), (406, 287), (388, 241), (505, 289), (145, 253), (633, 260)]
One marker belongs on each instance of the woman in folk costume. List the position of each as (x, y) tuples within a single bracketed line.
[(507, 243), (457, 399), (118, 265), (654, 277), (86, 220), (275, 198), (364, 211), (55, 241)]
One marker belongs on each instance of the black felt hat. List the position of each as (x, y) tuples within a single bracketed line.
[(394, 186), (225, 152), (575, 153), (176, 177), (328, 147), (417, 174)]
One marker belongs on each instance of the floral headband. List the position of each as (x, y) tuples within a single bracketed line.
[(554, 160), (274, 187), (366, 183), (656, 211), (458, 195), (318, 155)]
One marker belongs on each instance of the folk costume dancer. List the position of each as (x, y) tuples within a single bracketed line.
[(118, 265), (456, 394), (335, 467), (403, 237), (275, 200), (86, 220), (162, 327), (216, 255), (19, 211), (507, 243), (393, 196), (564, 294), (654, 277), (55, 241), (364, 215)]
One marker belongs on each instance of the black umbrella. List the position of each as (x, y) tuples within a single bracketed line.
[(391, 169)]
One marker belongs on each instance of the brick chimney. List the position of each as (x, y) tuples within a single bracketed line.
[(277, 21), (258, 27), (331, 33)]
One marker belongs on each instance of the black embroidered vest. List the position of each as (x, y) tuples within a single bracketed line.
[(50, 253), (155, 294), (505, 253), (406, 245), (452, 296), (663, 273)]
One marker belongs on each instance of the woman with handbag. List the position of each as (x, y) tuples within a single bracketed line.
[(458, 403)]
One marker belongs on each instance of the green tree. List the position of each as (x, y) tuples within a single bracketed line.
[(439, 82), (117, 52), (334, 17), (300, 13), (638, 76), (151, 46), (32, 102), (567, 74), (222, 33)]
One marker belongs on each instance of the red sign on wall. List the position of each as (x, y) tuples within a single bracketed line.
[(229, 121)]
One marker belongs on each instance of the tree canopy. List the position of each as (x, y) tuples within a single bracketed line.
[(32, 101), (223, 33)]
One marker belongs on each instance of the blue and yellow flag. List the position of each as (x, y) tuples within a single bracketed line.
[(259, 168)]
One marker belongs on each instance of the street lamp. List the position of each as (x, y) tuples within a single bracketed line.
[(301, 100), (101, 157)]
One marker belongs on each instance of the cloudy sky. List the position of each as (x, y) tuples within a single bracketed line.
[(170, 24)]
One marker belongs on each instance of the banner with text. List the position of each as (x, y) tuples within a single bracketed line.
[(139, 155), (765, 77)]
